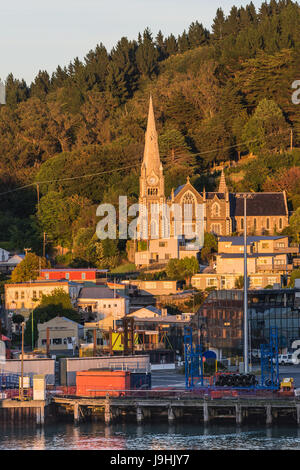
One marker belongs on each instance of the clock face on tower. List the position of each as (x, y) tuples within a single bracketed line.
[(152, 180)]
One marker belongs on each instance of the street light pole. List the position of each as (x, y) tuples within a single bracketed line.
[(245, 290), (245, 196), (22, 365), (32, 340)]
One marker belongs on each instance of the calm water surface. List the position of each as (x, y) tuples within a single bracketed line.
[(93, 436)]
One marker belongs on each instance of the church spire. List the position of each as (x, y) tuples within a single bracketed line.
[(223, 186), (151, 152)]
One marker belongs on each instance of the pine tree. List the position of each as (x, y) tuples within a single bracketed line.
[(16, 91), (41, 85), (197, 35), (146, 55), (161, 46), (218, 26), (171, 45), (183, 42)]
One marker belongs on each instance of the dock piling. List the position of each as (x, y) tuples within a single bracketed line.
[(268, 415), (238, 414), (205, 413), (171, 416), (139, 415)]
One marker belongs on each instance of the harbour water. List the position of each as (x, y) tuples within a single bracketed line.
[(97, 436)]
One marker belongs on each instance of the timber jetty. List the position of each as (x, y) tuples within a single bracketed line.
[(178, 407), (271, 410)]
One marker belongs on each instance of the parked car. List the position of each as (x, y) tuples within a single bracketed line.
[(284, 359)]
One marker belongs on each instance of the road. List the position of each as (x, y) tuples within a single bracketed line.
[(172, 378)]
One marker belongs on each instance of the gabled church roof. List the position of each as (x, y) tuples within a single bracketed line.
[(261, 204)]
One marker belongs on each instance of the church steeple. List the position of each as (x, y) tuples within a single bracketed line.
[(223, 186), (151, 160), (152, 179)]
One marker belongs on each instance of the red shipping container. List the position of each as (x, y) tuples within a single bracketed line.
[(99, 383)]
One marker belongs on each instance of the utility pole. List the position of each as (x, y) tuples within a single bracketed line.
[(22, 366), (292, 140), (245, 196), (32, 340), (245, 291), (44, 245), (38, 196)]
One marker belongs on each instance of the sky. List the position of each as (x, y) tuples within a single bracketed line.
[(37, 35)]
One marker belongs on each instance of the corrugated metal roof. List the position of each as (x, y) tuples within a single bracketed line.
[(97, 292), (236, 241)]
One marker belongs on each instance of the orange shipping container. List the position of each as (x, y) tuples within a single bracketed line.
[(99, 383)]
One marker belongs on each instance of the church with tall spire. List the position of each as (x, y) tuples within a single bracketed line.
[(152, 183), (267, 213)]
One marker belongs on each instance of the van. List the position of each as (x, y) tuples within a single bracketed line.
[(284, 359)]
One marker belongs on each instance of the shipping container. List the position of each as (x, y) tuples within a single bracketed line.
[(140, 381), (99, 383), (69, 366)]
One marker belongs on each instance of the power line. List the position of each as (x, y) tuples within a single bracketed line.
[(91, 175)]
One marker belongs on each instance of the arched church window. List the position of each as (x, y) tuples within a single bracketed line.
[(216, 228), (154, 229), (188, 202), (215, 210)]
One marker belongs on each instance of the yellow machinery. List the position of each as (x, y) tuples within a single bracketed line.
[(287, 386)]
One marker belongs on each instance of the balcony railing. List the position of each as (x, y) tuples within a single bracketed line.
[(274, 268), (287, 249)]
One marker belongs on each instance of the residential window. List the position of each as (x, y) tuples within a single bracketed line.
[(47, 275), (211, 282), (280, 223), (83, 276), (22, 295), (242, 224), (268, 223), (57, 341), (16, 295), (67, 275)]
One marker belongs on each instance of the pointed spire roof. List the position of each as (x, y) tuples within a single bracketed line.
[(151, 152), (223, 186)]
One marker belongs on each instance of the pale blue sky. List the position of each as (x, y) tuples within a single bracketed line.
[(37, 35)]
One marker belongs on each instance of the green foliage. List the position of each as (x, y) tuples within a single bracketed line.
[(29, 268), (182, 269), (17, 318), (239, 282), (210, 246), (294, 275), (217, 96), (294, 226), (267, 128), (56, 304)]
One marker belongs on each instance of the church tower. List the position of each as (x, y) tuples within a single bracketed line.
[(152, 184)]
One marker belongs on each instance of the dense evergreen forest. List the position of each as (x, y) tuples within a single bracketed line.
[(218, 95)]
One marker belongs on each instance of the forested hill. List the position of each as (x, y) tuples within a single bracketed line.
[(217, 94)]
